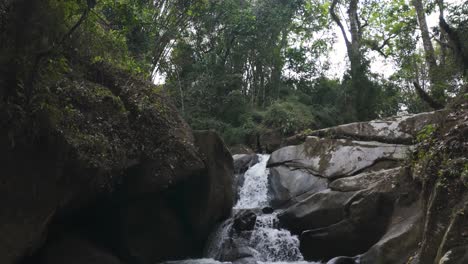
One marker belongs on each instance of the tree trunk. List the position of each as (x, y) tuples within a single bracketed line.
[(437, 83), (461, 55), (357, 107), (426, 38)]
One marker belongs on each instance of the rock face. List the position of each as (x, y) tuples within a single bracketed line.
[(74, 250), (242, 162), (283, 189), (309, 167), (348, 191), (244, 221), (335, 158), (441, 165), (396, 130), (109, 155)]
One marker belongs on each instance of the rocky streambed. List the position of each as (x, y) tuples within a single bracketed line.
[(121, 179), (357, 193)]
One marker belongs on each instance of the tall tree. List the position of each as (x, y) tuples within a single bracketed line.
[(362, 94), (437, 98)]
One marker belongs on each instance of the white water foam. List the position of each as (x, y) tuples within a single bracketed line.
[(271, 244), (254, 192)]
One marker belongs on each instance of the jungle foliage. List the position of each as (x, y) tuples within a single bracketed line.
[(245, 67)]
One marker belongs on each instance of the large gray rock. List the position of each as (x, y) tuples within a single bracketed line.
[(364, 218), (334, 158), (401, 129), (236, 249), (363, 225), (400, 240), (286, 184), (242, 162), (75, 250), (88, 141), (319, 210), (342, 260), (366, 180), (178, 222), (244, 220)]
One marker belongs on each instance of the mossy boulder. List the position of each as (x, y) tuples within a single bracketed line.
[(103, 139)]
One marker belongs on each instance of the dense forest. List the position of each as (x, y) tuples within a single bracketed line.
[(233, 131), (247, 68)]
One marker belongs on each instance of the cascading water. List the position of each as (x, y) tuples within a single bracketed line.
[(254, 192), (270, 244), (273, 244)]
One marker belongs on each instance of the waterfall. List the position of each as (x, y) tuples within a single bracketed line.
[(273, 244), (254, 192), (269, 243)]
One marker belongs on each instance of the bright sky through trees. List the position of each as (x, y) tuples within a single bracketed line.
[(379, 64)]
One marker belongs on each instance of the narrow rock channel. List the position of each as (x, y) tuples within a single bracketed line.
[(252, 234)]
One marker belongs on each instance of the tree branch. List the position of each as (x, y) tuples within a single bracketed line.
[(337, 20), (29, 83), (427, 98), (379, 48), (453, 37)]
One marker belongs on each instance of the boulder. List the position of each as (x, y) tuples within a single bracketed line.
[(269, 140), (91, 133), (335, 158), (321, 209), (342, 260), (151, 230), (242, 162), (268, 210), (244, 220), (114, 142), (215, 196), (366, 180), (178, 222), (400, 240), (236, 249), (285, 184), (240, 149), (397, 130), (363, 225), (364, 217), (74, 250)]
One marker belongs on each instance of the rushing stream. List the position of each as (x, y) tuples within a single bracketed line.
[(270, 244)]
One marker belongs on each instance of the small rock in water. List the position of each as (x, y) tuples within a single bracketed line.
[(342, 260), (244, 221), (235, 249), (268, 210)]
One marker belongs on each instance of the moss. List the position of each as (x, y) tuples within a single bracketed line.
[(425, 133), (464, 175)]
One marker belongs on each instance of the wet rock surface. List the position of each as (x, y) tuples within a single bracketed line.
[(348, 191), (244, 220)]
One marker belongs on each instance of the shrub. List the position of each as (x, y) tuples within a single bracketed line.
[(289, 117)]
